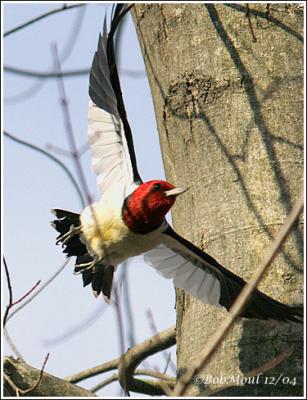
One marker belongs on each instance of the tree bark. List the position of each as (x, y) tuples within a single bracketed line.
[(24, 377), (227, 86)]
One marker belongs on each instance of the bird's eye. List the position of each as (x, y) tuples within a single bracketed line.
[(156, 186)]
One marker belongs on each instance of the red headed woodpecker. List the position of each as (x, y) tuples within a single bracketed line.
[(129, 220)]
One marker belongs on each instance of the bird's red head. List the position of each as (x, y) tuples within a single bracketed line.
[(144, 210)]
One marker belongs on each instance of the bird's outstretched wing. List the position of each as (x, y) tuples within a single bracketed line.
[(109, 133), (204, 278)]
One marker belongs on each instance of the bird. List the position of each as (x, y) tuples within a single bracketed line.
[(129, 219)]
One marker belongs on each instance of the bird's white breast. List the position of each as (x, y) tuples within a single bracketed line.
[(108, 237)]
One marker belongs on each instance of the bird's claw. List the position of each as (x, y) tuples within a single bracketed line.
[(79, 268), (68, 235)]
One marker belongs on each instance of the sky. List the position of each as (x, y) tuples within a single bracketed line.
[(33, 185)]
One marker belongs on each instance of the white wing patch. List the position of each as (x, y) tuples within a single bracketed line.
[(109, 150), (197, 281)]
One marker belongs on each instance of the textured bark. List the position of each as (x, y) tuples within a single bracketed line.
[(24, 377), (229, 112)]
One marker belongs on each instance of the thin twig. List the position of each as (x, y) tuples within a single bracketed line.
[(68, 124), (18, 390), (72, 142), (65, 53), (120, 325), (128, 307), (74, 73), (58, 150), (11, 303), (25, 391), (78, 328), (46, 75), (168, 362), (81, 326), (27, 294), (24, 375), (12, 344), (206, 354), (51, 157), (8, 279), (247, 15), (165, 354), (43, 286), (40, 17), (12, 384), (67, 153)]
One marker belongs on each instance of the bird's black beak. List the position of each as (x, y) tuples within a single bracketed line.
[(176, 192)]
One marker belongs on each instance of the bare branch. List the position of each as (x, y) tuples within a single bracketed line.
[(46, 75), (33, 387), (21, 376), (134, 356), (81, 326), (71, 137), (240, 302), (120, 324), (11, 343), (128, 307), (11, 302), (74, 73), (43, 286), (51, 157), (247, 15), (89, 373), (68, 125), (24, 95), (58, 150), (146, 372), (27, 294), (18, 390), (154, 330), (67, 153), (10, 292), (105, 382), (260, 14), (42, 16)]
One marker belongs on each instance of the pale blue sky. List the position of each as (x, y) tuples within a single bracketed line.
[(33, 185)]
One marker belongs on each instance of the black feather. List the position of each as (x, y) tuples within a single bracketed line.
[(104, 89), (259, 305), (67, 219), (101, 278)]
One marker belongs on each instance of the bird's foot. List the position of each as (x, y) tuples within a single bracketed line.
[(79, 268), (73, 231)]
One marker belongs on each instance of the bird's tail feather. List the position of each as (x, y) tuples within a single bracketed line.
[(98, 275), (68, 224), (101, 278)]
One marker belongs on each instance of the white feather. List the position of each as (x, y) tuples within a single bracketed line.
[(187, 270), (109, 151)]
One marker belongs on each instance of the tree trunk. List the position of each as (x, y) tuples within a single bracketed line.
[(227, 86)]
